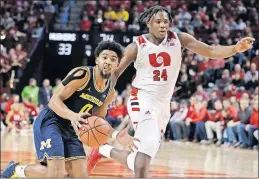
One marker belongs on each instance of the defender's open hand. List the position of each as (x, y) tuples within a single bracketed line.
[(244, 44)]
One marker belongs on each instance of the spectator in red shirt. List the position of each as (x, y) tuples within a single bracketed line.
[(190, 115), (232, 91), (90, 7), (204, 65), (140, 6), (215, 123), (15, 118), (30, 111), (20, 53), (18, 59), (108, 26), (198, 118), (117, 113), (238, 70), (86, 24), (231, 120), (229, 113), (14, 100), (191, 109), (201, 117), (252, 126)]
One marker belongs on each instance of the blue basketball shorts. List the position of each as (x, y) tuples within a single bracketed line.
[(55, 138)]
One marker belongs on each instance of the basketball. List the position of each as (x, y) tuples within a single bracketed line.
[(95, 133)]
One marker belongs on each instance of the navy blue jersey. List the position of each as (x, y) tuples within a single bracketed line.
[(88, 96)]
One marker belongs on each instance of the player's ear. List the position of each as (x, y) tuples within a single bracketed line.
[(96, 60), (148, 23)]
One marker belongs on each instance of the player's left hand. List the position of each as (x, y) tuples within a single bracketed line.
[(126, 140), (244, 44)]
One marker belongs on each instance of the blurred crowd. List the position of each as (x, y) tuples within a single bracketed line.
[(19, 111), (21, 24), (223, 121), (215, 100), (194, 16)]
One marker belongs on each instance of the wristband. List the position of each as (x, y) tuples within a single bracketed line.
[(114, 134)]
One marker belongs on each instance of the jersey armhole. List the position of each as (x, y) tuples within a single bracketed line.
[(86, 83), (112, 86), (139, 41)]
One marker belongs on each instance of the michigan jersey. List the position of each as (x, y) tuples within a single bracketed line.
[(88, 96)]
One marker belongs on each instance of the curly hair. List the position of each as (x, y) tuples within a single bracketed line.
[(108, 45)]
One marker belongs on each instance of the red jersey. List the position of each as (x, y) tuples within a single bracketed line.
[(254, 118), (232, 112), (31, 109), (118, 111), (16, 117), (201, 115), (217, 116)]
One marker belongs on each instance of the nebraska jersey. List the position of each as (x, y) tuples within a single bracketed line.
[(158, 66)]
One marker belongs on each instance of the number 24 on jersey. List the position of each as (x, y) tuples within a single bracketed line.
[(157, 60)]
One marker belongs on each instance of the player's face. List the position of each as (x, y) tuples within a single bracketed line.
[(158, 24), (107, 62)]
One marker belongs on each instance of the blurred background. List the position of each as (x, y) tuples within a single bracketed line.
[(215, 100)]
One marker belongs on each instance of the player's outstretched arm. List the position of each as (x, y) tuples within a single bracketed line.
[(214, 52), (129, 56), (121, 136), (75, 79)]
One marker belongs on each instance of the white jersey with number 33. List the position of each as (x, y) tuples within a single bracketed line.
[(158, 66)]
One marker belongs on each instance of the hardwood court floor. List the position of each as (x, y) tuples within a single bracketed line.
[(173, 160)]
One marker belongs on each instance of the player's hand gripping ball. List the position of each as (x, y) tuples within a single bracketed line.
[(95, 132)]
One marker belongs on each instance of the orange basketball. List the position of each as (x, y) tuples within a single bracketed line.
[(96, 132)]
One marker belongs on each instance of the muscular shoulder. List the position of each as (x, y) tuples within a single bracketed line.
[(74, 81), (131, 50), (130, 54), (185, 39), (79, 75)]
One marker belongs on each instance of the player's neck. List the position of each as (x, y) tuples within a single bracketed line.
[(154, 40), (99, 80)]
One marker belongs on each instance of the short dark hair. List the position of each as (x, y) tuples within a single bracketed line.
[(152, 11), (108, 45)]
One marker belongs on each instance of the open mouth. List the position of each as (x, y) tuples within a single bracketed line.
[(106, 68)]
